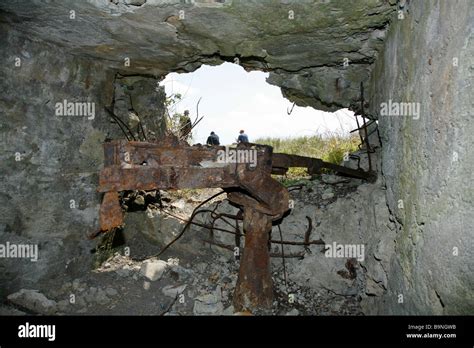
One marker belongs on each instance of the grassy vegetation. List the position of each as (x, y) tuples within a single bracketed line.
[(328, 147)]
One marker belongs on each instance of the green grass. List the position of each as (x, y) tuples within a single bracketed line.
[(329, 147)]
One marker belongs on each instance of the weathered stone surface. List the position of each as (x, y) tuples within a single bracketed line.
[(59, 157), (146, 231), (303, 44), (209, 304), (139, 99), (426, 159), (320, 272), (111, 292), (33, 300), (328, 194), (293, 312), (173, 290), (361, 219)]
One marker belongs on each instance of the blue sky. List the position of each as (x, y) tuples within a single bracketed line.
[(233, 99)]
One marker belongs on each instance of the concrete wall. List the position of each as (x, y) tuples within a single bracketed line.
[(60, 156), (427, 160)]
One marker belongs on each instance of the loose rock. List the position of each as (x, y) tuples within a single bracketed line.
[(33, 300), (153, 270), (173, 291)]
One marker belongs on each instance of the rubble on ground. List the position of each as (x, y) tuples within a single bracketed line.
[(203, 282)]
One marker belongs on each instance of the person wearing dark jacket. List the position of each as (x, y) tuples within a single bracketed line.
[(243, 138), (213, 139)]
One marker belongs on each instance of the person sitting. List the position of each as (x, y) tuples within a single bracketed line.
[(243, 138), (213, 139)]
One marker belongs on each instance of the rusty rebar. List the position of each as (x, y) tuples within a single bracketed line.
[(367, 145), (143, 131), (231, 248), (187, 224), (307, 234), (282, 255), (311, 242), (121, 123)]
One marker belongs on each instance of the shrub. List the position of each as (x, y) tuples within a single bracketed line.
[(329, 147)]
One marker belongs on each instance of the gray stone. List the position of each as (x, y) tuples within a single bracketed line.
[(229, 310), (332, 179), (111, 292), (293, 312), (327, 195), (33, 300), (76, 284), (91, 295), (180, 204), (79, 302), (201, 267), (320, 272), (184, 274), (209, 304), (373, 288), (63, 305), (101, 297), (4, 311), (123, 272), (153, 270), (173, 290), (66, 287)]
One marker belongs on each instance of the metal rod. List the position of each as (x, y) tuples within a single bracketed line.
[(283, 256), (365, 125)]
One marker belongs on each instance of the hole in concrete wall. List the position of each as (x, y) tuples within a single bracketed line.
[(233, 99), (230, 99)]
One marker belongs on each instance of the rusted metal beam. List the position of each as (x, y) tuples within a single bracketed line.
[(281, 162), (146, 166), (254, 288), (115, 178), (111, 215), (130, 153)]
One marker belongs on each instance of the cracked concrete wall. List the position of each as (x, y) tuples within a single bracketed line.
[(139, 99), (303, 44), (49, 160), (59, 157), (426, 159)]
